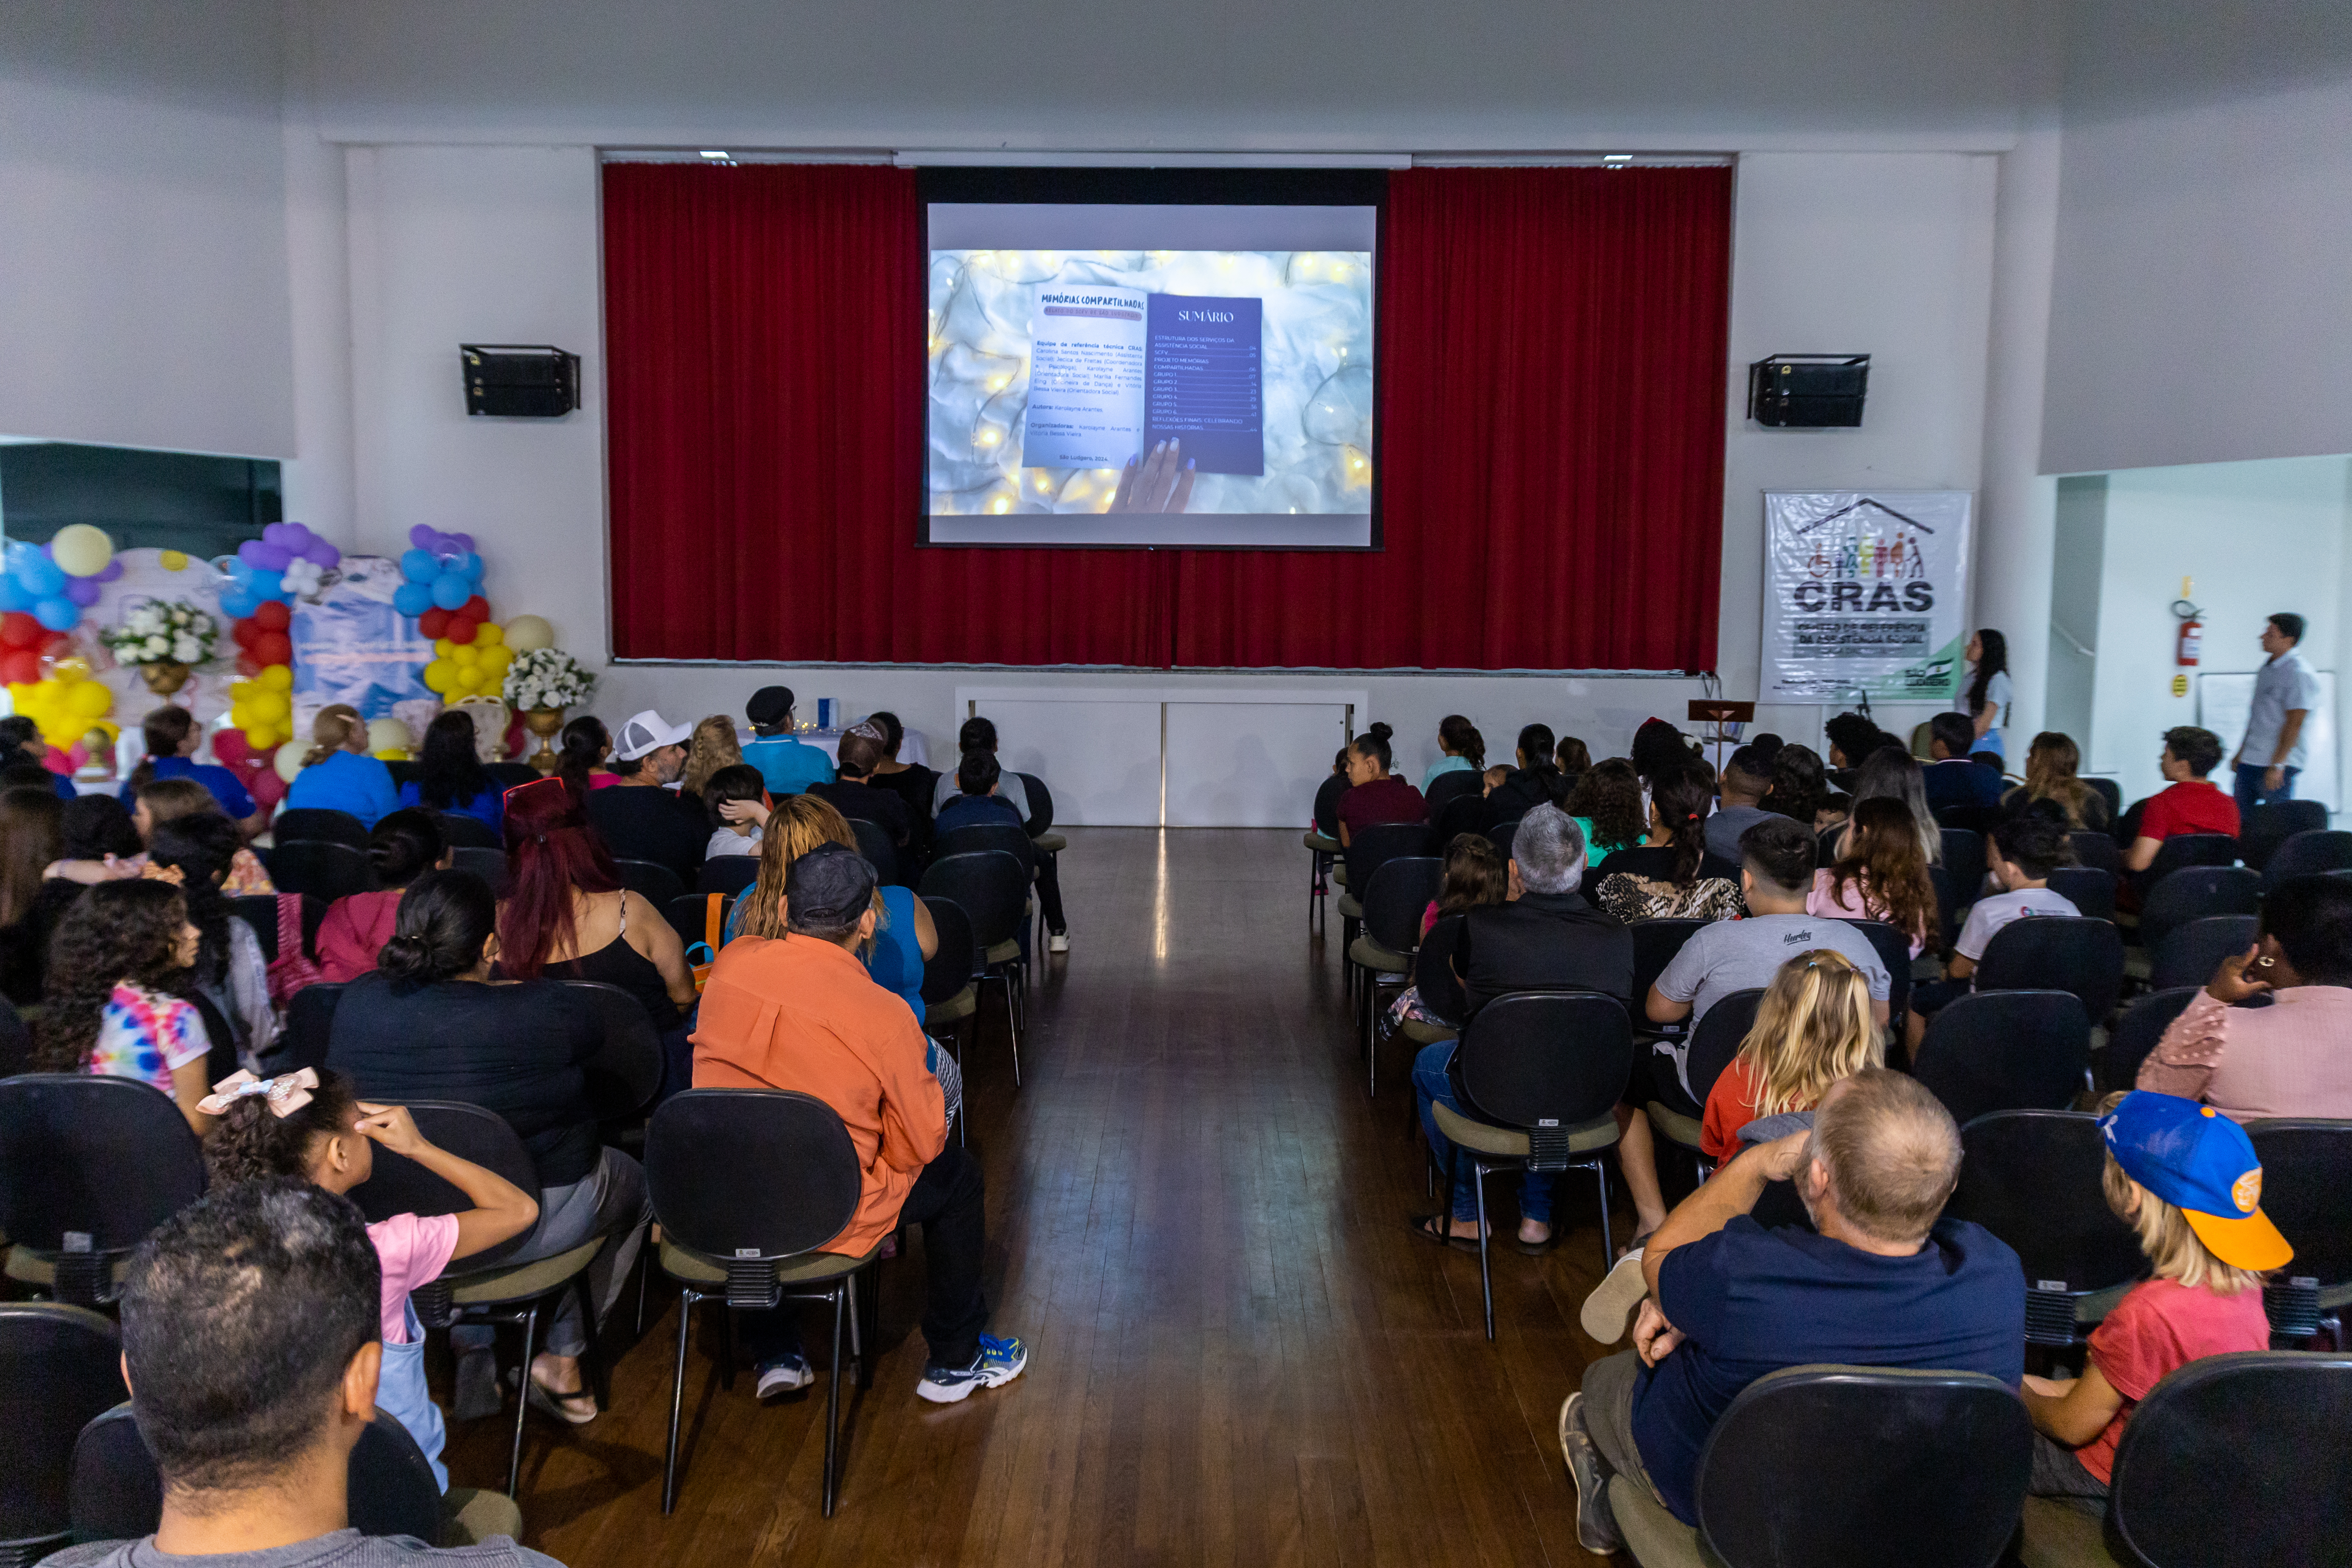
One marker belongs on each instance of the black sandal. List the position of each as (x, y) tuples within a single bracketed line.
[(1425, 1225)]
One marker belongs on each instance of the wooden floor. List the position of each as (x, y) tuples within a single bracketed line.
[(1197, 1221)]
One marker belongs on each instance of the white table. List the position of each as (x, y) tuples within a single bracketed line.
[(912, 747)]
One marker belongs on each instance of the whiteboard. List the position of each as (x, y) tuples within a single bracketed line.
[(2222, 701)]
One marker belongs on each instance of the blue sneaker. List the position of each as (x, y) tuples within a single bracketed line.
[(783, 1374), (999, 1361)]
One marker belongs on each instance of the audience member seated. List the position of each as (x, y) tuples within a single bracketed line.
[(230, 971), (1474, 877), (1747, 777), (402, 847), (1813, 1028), (1460, 747), (789, 766), (979, 800), (735, 808), (1535, 782), (2050, 775), (910, 782), (1800, 789), (1674, 876), (1376, 797), (798, 1012), (1852, 739), (171, 800), (1880, 875), (1573, 758), (852, 792), (1659, 749), (2188, 1184), (21, 746), (2292, 1057), (251, 1325), (2020, 855), (1544, 938), (641, 819), (712, 746), (120, 952), (586, 746), (309, 1126), (431, 1024), (2189, 803), (979, 734), (1953, 777), (32, 841), (1606, 806), (1882, 1279), (449, 771), (1890, 772), (337, 773), (564, 911), (173, 736)]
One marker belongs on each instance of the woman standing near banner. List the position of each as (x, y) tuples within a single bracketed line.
[(1984, 693)]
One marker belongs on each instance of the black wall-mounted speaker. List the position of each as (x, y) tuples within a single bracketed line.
[(521, 381), (1807, 391)]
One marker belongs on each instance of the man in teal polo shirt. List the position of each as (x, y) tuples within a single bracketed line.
[(790, 766)]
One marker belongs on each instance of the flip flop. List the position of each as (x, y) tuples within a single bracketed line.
[(1537, 1248), (548, 1401), (1424, 1226)]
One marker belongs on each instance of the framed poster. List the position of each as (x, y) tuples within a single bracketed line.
[(1864, 591)]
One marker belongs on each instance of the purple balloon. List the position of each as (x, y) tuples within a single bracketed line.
[(421, 537), (273, 533), (269, 557), (83, 591), (250, 552), (297, 537), (322, 554), (461, 544), (113, 570)]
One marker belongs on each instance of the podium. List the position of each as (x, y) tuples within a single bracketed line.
[(1715, 713)]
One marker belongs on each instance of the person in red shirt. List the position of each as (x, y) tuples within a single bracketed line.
[(1376, 797), (1813, 1027), (2192, 805), (2185, 1178), (402, 847)]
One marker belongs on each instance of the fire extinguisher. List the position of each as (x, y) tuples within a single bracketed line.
[(2191, 641)]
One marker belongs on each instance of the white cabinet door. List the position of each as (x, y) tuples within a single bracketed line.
[(1101, 759), (1249, 764)]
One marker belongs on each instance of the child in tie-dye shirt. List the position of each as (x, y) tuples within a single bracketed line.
[(105, 1010)]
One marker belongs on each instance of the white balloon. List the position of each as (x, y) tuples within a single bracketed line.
[(288, 760)]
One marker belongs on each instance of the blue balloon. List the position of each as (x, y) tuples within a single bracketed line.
[(450, 590), (240, 569), (418, 567), (59, 614), (412, 599), (14, 600), (237, 602), (268, 585), (471, 567), (42, 577)]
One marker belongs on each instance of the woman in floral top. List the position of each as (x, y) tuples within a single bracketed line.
[(108, 1010)]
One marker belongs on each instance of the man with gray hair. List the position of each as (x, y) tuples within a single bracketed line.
[(1546, 937), (1882, 1279)]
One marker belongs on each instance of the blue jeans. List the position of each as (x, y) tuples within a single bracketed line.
[(1431, 1085), (2250, 792)]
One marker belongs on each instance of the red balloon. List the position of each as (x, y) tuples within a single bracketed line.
[(229, 749), (266, 788), (273, 647), (247, 666), (462, 627), (54, 642), (434, 623), (20, 665), (477, 607), (273, 617), (242, 633), (18, 629)]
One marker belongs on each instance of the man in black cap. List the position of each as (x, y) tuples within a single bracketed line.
[(790, 766), (790, 1005)]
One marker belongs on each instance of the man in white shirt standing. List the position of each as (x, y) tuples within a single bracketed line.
[(2285, 691)]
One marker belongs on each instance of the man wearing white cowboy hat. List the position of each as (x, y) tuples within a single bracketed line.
[(648, 822)]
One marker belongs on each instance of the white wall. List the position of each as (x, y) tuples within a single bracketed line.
[(143, 225)]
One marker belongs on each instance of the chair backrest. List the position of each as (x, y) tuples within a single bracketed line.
[(991, 885), (1717, 1039), (461, 831), (400, 1186), (117, 1492), (508, 775), (750, 1174), (1374, 847), (982, 836), (728, 874), (15, 1040), (1327, 805), (2262, 833), (322, 867), (1461, 784), (2031, 1178), (2090, 889), (1894, 950), (2112, 791), (2185, 849), (626, 1073), (2095, 849), (309, 1020), (2057, 953), (2005, 1050), (1535, 1059), (873, 842), (2307, 854), (949, 969), (1041, 804), (2221, 1436), (59, 1367), (1947, 901), (2187, 954), (1822, 1466), (110, 1158), (2137, 1032), (1964, 857), (2306, 1173), (488, 863), (1401, 890), (1500, 836), (2195, 892), (656, 883), (689, 916), (1656, 942), (311, 823)]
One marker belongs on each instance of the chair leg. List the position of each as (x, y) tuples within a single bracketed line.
[(522, 1402), (686, 1301), (1372, 1038), (726, 1349), (644, 1274), (595, 1375), (1608, 1248), (1486, 1280), (833, 1403)]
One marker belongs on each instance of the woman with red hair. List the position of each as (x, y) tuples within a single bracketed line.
[(565, 914)]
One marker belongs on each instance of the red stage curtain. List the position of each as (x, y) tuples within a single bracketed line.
[(1552, 384)]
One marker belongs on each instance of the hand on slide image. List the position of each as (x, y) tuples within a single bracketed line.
[(1157, 482)]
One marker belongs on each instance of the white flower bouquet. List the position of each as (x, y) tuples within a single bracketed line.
[(160, 631), (546, 678)]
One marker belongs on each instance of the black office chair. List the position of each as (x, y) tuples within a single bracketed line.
[(2305, 854), (2187, 954), (1947, 905), (312, 824), (1893, 951), (310, 1025), (1976, 819), (511, 775), (259, 910), (993, 889), (2098, 850), (117, 1492), (322, 869), (981, 838), (1963, 861), (2272, 824), (1401, 890), (690, 916), (626, 1071), (1322, 841), (2006, 1050), (2090, 889), (747, 1186), (1656, 942), (657, 884), (1541, 1075), (1457, 816), (1363, 857), (1714, 1046), (2032, 1178), (89, 1164), (2192, 893), (2112, 793), (15, 1040), (2135, 1034), (1040, 826), (2180, 852), (489, 864), (460, 831), (727, 874), (1500, 836), (59, 1367), (2306, 1171), (1826, 1466), (2232, 1461), (2055, 952), (950, 1002), (881, 851)]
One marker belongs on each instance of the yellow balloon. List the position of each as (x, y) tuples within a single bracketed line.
[(173, 560), (67, 670), (526, 633), (288, 759), (81, 550), (91, 699), (439, 675), (496, 658), (443, 648), (271, 705), (278, 676), (487, 634), (242, 690)]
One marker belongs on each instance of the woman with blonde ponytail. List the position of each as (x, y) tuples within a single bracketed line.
[(1813, 1028), (337, 773)]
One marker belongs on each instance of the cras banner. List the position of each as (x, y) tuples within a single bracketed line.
[(1865, 591)]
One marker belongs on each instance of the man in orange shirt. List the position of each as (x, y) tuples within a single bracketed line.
[(800, 1012)]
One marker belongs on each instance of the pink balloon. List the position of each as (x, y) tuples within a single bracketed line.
[(230, 750)]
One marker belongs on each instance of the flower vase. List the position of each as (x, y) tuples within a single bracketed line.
[(545, 723), (165, 678)]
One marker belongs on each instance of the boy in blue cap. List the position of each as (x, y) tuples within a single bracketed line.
[(2185, 1178)]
